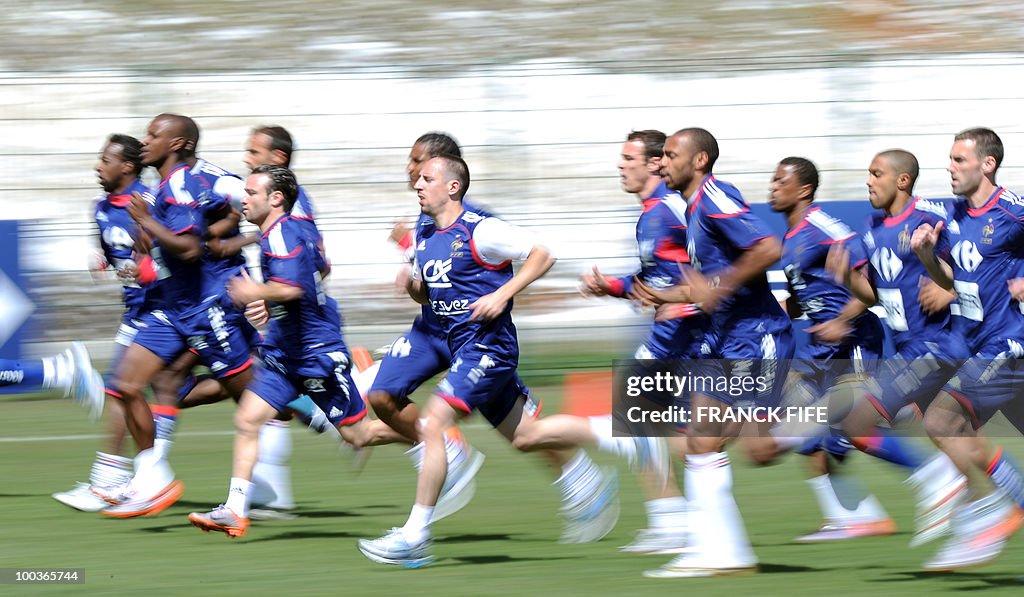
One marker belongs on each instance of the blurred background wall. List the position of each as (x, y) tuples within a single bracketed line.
[(540, 94)]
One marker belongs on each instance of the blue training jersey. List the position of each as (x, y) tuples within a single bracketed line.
[(310, 325), (303, 213), (178, 210), (804, 251), (215, 190), (661, 239), (720, 227), (118, 233), (428, 321), (987, 249), (455, 277), (896, 273)]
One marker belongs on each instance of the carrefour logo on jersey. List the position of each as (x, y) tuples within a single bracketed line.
[(435, 273), (967, 255), (887, 263)]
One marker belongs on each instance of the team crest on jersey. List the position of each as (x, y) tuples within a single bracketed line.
[(987, 231), (457, 245), (903, 240)]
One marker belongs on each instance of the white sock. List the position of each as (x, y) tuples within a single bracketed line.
[(239, 494), (666, 513), (152, 474), (58, 372), (415, 530), (415, 454), (934, 476), (110, 470), (850, 494), (831, 509), (716, 527), (870, 509), (271, 477), (162, 448), (580, 479), (364, 379), (606, 442)]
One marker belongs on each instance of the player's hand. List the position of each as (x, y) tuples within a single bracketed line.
[(647, 296), (138, 209), (832, 331), (594, 284), (399, 231), (487, 307), (128, 273), (932, 297), (97, 261), (838, 263), (925, 238), (402, 279), (1016, 286), (244, 290), (257, 314)]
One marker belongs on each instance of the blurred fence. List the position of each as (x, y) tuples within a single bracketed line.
[(542, 140)]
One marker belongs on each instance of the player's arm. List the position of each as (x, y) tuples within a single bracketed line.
[(834, 330), (850, 270), (924, 242), (414, 284), (499, 241), (221, 247), (224, 222), (596, 284), (752, 263), (185, 245), (243, 290)]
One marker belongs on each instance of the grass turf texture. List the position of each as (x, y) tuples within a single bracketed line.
[(504, 543)]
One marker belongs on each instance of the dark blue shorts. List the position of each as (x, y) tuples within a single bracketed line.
[(325, 378), (413, 359)]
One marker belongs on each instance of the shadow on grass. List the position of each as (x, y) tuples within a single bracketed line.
[(325, 514), (787, 569), (493, 559), (302, 534), (990, 580), (471, 537)]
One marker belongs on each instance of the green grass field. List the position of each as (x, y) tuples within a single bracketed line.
[(504, 543)]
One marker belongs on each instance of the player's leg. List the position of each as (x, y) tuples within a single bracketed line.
[(411, 360), (982, 525), (110, 467), (70, 371), (590, 501), (254, 411), (410, 545)]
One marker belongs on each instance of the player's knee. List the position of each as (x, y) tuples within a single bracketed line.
[(762, 451), (526, 439), (939, 423), (247, 423), (383, 403), (358, 436)]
